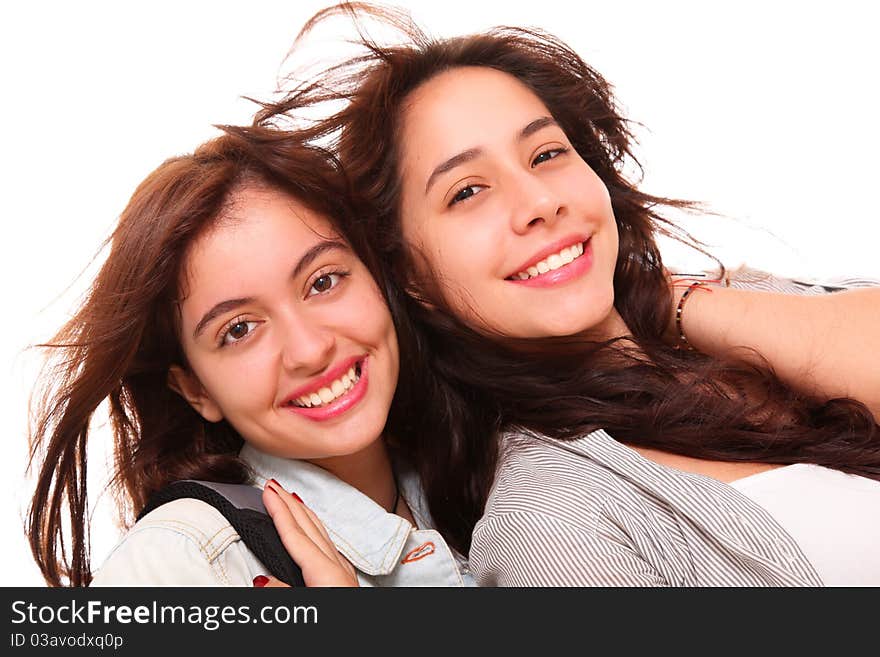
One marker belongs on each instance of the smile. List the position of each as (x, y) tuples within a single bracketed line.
[(552, 262), (559, 263), (332, 392), (335, 393)]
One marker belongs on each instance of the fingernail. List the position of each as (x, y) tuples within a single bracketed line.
[(260, 581), (297, 498), (272, 481)]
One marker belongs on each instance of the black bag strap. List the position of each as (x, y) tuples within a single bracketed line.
[(242, 506)]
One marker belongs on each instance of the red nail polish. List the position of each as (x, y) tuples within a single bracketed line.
[(297, 498), (272, 481), (260, 581)]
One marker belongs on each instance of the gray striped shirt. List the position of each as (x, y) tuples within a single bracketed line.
[(592, 512)]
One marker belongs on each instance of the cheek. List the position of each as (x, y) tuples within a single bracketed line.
[(465, 258), (458, 253), (224, 380), (599, 196), (365, 316)]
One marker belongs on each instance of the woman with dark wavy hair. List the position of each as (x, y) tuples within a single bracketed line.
[(238, 336), (587, 419)]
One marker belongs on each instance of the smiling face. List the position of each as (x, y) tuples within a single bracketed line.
[(517, 227), (285, 331)]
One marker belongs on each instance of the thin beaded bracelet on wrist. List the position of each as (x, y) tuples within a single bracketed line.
[(682, 340)]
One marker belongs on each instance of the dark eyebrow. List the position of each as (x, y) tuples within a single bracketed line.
[(216, 311), (535, 126), (471, 153), (231, 304), (451, 163), (317, 251)]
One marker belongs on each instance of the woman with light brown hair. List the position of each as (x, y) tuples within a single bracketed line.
[(586, 420), (238, 336)]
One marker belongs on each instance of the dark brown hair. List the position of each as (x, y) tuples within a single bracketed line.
[(638, 388), (119, 345)]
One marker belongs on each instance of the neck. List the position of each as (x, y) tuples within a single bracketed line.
[(612, 326), (368, 470)]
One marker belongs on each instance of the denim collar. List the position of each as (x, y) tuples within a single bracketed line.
[(364, 533)]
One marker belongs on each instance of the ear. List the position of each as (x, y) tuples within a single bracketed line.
[(185, 384)]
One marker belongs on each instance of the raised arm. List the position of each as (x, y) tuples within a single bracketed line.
[(826, 345)]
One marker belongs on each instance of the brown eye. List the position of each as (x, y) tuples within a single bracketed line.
[(323, 283), (237, 331), (548, 155), (465, 193)]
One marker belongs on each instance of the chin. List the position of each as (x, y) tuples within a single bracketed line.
[(579, 317)]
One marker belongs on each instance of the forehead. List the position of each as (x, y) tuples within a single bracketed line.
[(260, 235), (470, 102)]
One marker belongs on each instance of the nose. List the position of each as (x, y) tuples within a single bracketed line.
[(537, 202), (307, 345)]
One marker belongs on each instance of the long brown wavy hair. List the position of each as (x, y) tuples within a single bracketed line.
[(119, 345), (474, 386)]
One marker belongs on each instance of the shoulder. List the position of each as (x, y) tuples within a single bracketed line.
[(185, 542), (536, 548), (552, 476), (747, 278), (542, 487), (554, 518)]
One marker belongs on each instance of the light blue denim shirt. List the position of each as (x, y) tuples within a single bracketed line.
[(189, 543)]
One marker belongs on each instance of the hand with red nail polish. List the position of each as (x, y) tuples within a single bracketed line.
[(264, 582), (271, 583), (306, 540)]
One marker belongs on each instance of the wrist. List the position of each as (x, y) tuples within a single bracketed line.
[(688, 294)]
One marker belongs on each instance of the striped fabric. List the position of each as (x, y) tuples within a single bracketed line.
[(754, 279), (592, 512)]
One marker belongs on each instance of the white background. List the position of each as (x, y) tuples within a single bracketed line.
[(766, 113)]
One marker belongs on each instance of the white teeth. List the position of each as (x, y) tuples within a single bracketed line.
[(327, 394), (555, 261)]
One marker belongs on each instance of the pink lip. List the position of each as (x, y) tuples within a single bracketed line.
[(339, 405), (323, 381), (549, 250), (576, 268)]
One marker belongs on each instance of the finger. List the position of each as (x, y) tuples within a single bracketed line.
[(345, 563), (318, 524), (318, 568), (269, 582), (328, 546), (306, 520), (302, 547)]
